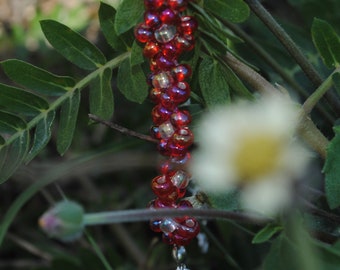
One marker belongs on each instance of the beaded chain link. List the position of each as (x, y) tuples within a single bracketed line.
[(167, 33)]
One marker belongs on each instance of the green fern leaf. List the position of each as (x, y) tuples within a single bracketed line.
[(20, 101), (72, 45), (68, 120), (101, 97), (36, 79), (10, 123)]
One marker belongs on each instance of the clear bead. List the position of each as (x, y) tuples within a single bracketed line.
[(179, 254), (168, 225), (182, 267), (162, 80), (165, 33), (166, 130), (180, 179)]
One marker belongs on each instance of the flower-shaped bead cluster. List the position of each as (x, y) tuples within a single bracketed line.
[(167, 33)]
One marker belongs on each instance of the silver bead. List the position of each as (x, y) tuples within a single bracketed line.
[(166, 130), (165, 33), (168, 225)]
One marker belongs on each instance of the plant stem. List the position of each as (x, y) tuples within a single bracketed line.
[(134, 215), (307, 129), (313, 99), (122, 130), (292, 48)]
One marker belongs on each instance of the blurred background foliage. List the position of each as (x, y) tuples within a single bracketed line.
[(113, 171)]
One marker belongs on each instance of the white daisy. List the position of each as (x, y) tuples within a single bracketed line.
[(251, 145)]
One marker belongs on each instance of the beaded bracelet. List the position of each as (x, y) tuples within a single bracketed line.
[(167, 33)]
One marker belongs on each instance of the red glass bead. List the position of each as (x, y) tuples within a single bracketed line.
[(180, 240), (184, 204), (184, 43), (183, 138), (179, 5), (188, 229), (163, 187), (151, 49), (155, 95), (170, 50), (180, 118), (153, 4), (181, 72), (179, 92), (169, 16), (159, 204), (149, 78), (168, 238), (155, 225), (153, 65), (160, 114), (188, 25), (167, 102), (181, 192), (163, 148), (154, 130), (151, 19), (143, 33), (175, 150), (163, 62)]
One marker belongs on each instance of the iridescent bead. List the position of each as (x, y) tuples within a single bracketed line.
[(160, 114), (179, 92), (163, 62), (165, 33), (155, 95), (167, 101), (155, 225), (162, 80), (153, 4), (163, 187), (151, 49), (185, 43), (154, 130), (166, 130), (169, 16), (170, 50), (168, 225), (183, 137), (151, 19), (159, 204), (143, 33), (180, 179), (175, 150), (188, 25), (180, 118), (179, 5), (181, 72)]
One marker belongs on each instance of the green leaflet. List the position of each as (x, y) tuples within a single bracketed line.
[(11, 156), (72, 46), (266, 233), (213, 82), (131, 82), (107, 16), (10, 123), (332, 171), (101, 97), (42, 135), (327, 42), (136, 54), (129, 12), (19, 101), (235, 11), (67, 122), (336, 81), (36, 79)]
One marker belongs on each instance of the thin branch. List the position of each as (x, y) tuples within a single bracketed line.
[(292, 48), (148, 214), (122, 130)]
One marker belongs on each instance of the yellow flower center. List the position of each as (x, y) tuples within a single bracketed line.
[(257, 156)]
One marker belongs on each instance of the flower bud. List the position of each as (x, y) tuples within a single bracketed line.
[(64, 221)]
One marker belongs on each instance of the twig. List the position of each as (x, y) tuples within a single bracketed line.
[(292, 48), (147, 214), (122, 130)]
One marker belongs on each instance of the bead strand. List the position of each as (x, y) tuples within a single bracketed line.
[(166, 33)]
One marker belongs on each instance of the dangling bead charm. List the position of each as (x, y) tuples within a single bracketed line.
[(166, 33)]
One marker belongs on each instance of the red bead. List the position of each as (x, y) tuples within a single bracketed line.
[(163, 188), (153, 4), (167, 102), (143, 33), (179, 92), (180, 118), (163, 148), (183, 138), (179, 5), (163, 62), (181, 72), (175, 150), (151, 19), (180, 240), (184, 204), (188, 25), (168, 238), (154, 225), (184, 43), (151, 49), (155, 95), (169, 16), (170, 50), (155, 132), (160, 114), (159, 204)]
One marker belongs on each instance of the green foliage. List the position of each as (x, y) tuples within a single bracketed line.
[(327, 42), (266, 233), (332, 171), (129, 12)]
